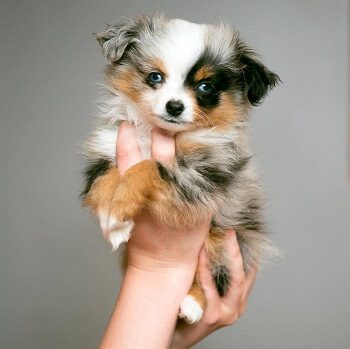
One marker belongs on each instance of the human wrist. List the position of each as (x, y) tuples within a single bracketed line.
[(156, 291), (161, 265), (179, 342)]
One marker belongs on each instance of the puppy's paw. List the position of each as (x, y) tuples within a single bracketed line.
[(190, 310), (121, 233), (114, 231)]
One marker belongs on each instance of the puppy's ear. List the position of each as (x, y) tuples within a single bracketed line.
[(254, 78), (118, 38)]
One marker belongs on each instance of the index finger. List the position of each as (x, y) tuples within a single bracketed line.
[(163, 145), (128, 152)]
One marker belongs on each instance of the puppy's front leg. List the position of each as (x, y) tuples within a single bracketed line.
[(140, 185), (99, 198)]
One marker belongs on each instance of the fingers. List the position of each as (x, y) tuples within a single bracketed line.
[(163, 146), (213, 310), (249, 283), (234, 294), (206, 277), (224, 311), (128, 152), (250, 280), (238, 293)]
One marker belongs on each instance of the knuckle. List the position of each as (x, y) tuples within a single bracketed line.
[(161, 154), (124, 152)]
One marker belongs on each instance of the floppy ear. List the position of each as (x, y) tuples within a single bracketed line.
[(255, 79), (117, 38)]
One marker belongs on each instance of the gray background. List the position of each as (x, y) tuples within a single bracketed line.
[(58, 278)]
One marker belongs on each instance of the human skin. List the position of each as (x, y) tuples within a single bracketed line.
[(161, 265), (220, 311)]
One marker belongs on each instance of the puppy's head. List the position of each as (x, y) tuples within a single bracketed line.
[(181, 75)]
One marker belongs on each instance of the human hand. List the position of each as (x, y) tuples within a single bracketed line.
[(220, 311), (152, 245), (161, 264)]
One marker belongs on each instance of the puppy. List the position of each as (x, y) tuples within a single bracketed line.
[(198, 82)]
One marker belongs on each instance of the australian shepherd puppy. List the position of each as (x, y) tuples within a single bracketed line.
[(198, 82)]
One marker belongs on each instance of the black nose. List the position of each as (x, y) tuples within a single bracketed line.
[(174, 108)]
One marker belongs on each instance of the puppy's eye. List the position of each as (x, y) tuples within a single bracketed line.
[(155, 78), (205, 88)]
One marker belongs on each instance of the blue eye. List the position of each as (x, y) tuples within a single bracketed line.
[(155, 78), (206, 88)]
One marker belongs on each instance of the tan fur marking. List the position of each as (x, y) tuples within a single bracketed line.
[(101, 193), (170, 209), (197, 293), (139, 185), (221, 117), (203, 73), (184, 146), (200, 118), (224, 115), (215, 243), (127, 81), (157, 65)]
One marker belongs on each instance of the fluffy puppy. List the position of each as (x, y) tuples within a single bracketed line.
[(198, 82)]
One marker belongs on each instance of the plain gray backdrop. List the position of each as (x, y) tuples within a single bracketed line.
[(59, 280)]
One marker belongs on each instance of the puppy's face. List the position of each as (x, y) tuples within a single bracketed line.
[(181, 75)]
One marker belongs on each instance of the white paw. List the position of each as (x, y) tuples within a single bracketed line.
[(103, 219), (121, 233), (107, 222), (113, 231), (190, 310)]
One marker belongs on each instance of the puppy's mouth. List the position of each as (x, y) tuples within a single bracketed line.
[(173, 120), (169, 122)]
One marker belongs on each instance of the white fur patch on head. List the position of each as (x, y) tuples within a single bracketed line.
[(190, 310), (180, 48)]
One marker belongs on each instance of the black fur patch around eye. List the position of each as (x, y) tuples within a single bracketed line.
[(221, 79), (92, 172)]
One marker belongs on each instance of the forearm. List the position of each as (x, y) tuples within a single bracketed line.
[(147, 308)]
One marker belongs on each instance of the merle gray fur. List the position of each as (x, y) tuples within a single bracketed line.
[(221, 177)]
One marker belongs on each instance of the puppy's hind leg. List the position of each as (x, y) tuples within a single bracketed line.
[(193, 305)]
